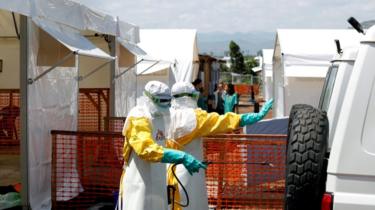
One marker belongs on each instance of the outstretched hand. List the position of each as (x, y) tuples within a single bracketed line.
[(266, 107), (251, 118)]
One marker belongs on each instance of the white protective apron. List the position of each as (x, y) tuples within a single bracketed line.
[(144, 182), (183, 122)]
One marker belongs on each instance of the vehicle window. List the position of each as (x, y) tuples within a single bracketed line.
[(368, 129), (328, 88)]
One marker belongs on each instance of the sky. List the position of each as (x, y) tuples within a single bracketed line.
[(237, 15)]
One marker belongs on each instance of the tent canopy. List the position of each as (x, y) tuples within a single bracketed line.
[(133, 48), (71, 39), (175, 48), (310, 49), (75, 15)]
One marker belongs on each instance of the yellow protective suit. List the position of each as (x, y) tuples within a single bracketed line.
[(143, 186), (187, 127)]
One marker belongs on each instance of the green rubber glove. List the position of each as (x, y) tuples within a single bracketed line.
[(190, 162), (251, 118)]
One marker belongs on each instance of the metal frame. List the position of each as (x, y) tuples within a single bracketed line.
[(135, 64), (24, 61), (32, 80), (80, 78), (367, 42), (112, 45), (126, 70), (156, 62)]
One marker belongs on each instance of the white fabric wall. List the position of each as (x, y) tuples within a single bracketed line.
[(300, 90), (52, 105), (267, 60), (278, 89), (165, 76), (304, 53), (125, 92), (268, 88)]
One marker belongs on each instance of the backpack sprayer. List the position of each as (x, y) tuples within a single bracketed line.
[(171, 189)]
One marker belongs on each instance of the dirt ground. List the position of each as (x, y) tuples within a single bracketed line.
[(9, 169)]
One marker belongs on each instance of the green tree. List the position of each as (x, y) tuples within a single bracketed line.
[(250, 63), (236, 58), (224, 67)]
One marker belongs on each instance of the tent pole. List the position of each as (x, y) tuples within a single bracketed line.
[(112, 86), (93, 71), (127, 69), (77, 65), (15, 25), (24, 62), (156, 62)]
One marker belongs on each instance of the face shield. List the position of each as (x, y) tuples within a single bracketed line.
[(184, 95), (159, 100), (194, 95)]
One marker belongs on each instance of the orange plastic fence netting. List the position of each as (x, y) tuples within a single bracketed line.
[(93, 108), (86, 168), (114, 124), (247, 171), (9, 121)]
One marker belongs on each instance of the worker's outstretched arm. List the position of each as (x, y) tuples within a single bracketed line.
[(251, 118), (213, 123)]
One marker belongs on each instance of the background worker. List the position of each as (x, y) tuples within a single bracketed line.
[(202, 100), (230, 99), (188, 125), (142, 184)]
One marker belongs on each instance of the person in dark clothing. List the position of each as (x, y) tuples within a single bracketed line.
[(202, 101), (218, 104)]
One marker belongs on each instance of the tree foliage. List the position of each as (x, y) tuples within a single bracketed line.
[(224, 68), (236, 59), (250, 63)]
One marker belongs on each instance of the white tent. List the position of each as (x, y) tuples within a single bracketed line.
[(300, 62), (173, 53), (267, 55), (73, 14), (54, 42)]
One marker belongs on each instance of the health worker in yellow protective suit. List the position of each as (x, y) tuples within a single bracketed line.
[(143, 182), (188, 124)]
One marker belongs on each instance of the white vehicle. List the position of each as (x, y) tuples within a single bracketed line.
[(348, 98), (335, 87)]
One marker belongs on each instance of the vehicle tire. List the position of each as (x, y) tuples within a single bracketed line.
[(306, 164), (295, 108)]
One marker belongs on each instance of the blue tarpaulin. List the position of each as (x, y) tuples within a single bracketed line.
[(273, 126)]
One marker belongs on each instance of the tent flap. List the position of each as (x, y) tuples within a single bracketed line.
[(133, 48), (71, 39)]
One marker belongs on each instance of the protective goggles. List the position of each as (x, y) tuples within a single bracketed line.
[(163, 101), (194, 95)]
